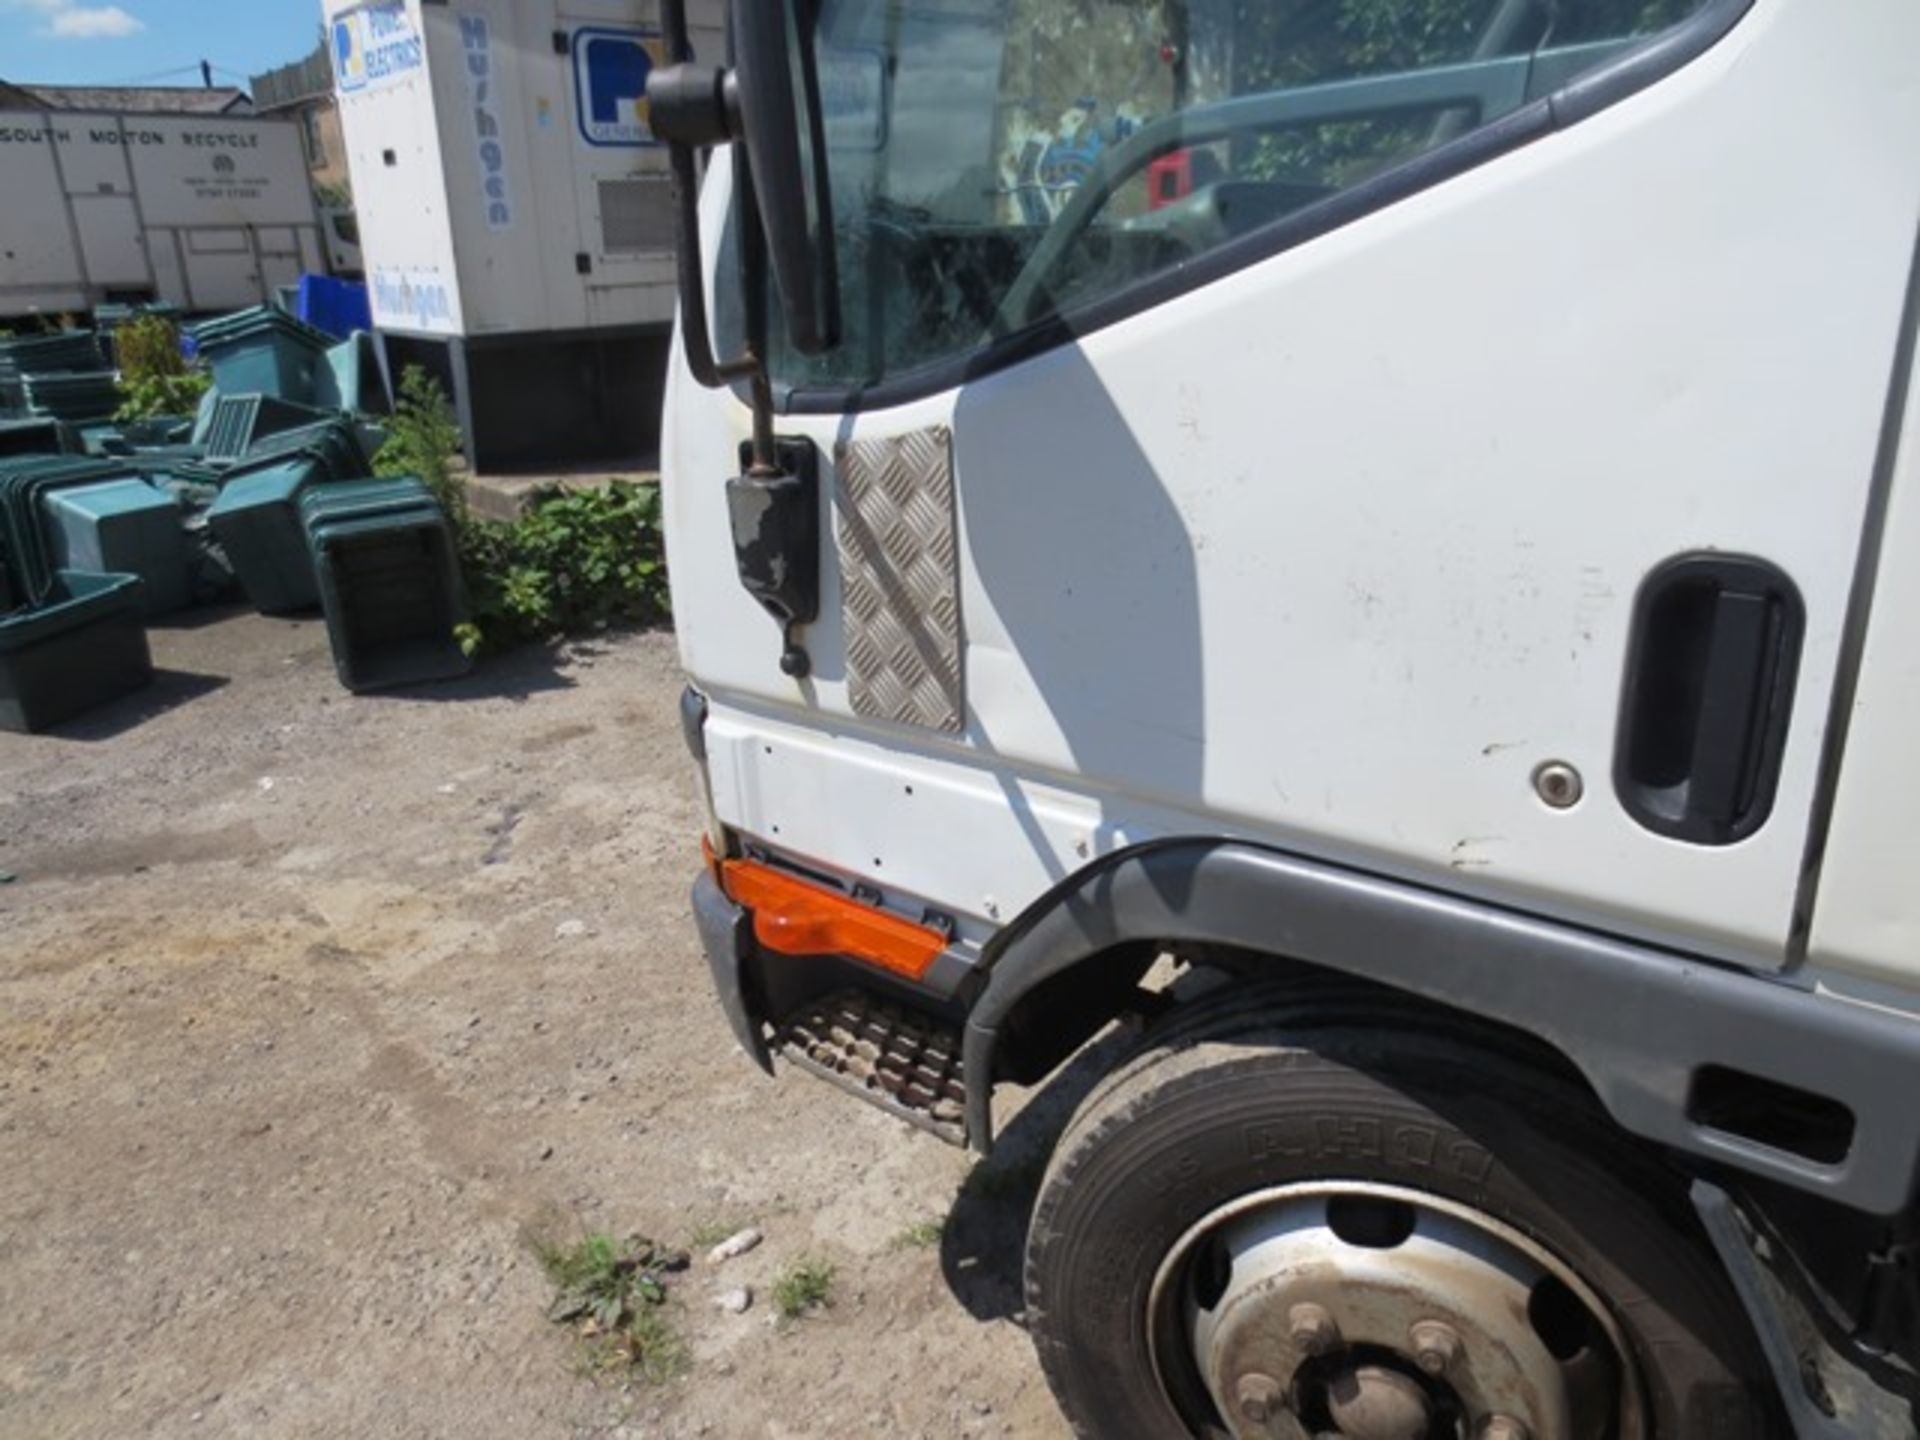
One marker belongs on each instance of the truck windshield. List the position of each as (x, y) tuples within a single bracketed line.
[(1000, 163)]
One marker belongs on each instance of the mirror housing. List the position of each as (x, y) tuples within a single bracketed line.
[(769, 102), (784, 131)]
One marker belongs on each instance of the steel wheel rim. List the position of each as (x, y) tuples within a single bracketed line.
[(1229, 1338)]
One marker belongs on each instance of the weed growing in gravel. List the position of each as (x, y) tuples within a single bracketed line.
[(612, 1293), (921, 1235), (802, 1287)]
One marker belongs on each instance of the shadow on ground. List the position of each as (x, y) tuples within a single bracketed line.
[(983, 1246), (517, 675), (200, 617), (169, 690)]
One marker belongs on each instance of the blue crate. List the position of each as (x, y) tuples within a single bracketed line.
[(338, 307)]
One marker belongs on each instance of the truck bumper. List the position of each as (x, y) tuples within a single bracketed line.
[(726, 933)]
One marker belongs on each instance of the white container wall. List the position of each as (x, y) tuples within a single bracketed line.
[(210, 213)]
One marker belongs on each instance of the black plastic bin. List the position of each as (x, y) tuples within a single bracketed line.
[(83, 646)]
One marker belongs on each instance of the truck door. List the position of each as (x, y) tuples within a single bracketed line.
[(1453, 461)]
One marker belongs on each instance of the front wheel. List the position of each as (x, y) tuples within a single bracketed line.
[(1383, 1235)]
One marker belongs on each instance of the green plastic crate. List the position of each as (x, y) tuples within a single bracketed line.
[(123, 527), (257, 522), (135, 437), (363, 499), (335, 441), (23, 539), (352, 381), (267, 352), (78, 396), (82, 648), (238, 422), (37, 435), (390, 587)]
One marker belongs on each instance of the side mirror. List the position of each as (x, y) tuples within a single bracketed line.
[(781, 124), (769, 103)]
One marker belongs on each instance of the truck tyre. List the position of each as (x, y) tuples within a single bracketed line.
[(1257, 1229)]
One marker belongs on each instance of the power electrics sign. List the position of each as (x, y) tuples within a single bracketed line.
[(610, 69), (375, 46)]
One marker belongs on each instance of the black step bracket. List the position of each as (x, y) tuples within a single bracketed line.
[(906, 1063)]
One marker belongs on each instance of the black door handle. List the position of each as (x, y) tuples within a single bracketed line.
[(1708, 694)]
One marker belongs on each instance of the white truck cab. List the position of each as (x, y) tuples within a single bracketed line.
[(1410, 512)]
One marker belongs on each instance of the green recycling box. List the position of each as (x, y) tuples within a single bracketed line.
[(82, 647)]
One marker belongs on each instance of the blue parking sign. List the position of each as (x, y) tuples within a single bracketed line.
[(610, 69)]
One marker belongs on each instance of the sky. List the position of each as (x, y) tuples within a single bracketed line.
[(151, 42)]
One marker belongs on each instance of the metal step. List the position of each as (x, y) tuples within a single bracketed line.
[(906, 1063)]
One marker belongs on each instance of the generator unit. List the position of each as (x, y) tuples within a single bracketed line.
[(516, 213)]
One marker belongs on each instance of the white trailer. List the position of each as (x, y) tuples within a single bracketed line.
[(209, 213), (515, 211)]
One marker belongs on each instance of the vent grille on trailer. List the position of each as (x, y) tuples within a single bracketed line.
[(636, 216)]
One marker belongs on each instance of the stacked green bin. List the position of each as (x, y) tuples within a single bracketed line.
[(26, 357), (81, 647), (169, 435), (353, 376), (389, 579), (257, 522), (257, 517), (334, 441), (38, 435), (236, 423), (24, 479), (79, 396), (68, 640), (126, 527), (266, 351)]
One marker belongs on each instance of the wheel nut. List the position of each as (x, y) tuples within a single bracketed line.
[(1503, 1427), (1260, 1396), (1313, 1329), (1435, 1346)]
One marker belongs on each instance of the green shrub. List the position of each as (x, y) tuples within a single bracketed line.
[(578, 560), (148, 346), (155, 378), (160, 395), (423, 440)]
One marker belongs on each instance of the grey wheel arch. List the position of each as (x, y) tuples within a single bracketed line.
[(1639, 1022)]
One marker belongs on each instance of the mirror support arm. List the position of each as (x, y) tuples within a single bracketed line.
[(696, 107), (773, 504)]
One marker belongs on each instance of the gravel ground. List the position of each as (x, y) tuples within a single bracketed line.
[(315, 1009)]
